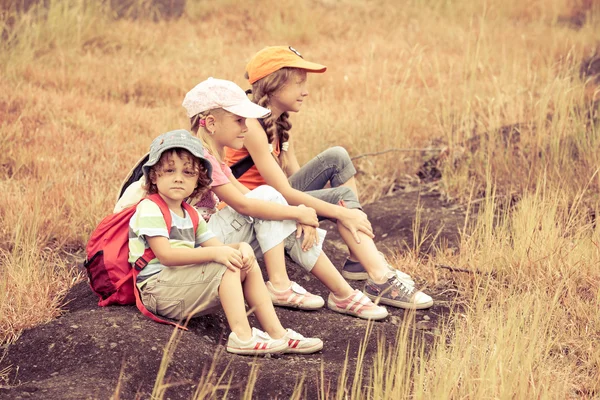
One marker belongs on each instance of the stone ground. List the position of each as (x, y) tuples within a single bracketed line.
[(82, 354)]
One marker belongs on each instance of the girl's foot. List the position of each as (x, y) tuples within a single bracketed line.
[(354, 271), (259, 344), (295, 296), (357, 305), (397, 293), (300, 344)]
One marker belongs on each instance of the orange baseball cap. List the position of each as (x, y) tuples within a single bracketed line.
[(273, 58)]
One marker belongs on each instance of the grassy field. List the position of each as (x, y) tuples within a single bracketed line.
[(495, 83)]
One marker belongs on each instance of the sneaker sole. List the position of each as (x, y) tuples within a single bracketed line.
[(305, 350), (252, 352), (398, 304), (297, 306), (335, 308), (355, 276)]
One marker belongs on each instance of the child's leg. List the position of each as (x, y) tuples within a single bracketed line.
[(333, 166), (276, 270), (351, 184), (258, 299), (270, 236), (366, 252), (185, 292), (326, 272), (232, 301), (265, 236), (342, 298)]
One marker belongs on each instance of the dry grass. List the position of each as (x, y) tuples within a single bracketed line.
[(82, 95)]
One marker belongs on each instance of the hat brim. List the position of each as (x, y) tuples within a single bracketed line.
[(153, 161), (299, 63), (248, 109)]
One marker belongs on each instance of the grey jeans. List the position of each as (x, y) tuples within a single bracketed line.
[(332, 166)]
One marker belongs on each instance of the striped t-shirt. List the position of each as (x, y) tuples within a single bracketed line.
[(148, 221)]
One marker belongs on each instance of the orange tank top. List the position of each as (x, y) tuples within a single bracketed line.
[(251, 178)]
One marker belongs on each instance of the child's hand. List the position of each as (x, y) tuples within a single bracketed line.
[(311, 236), (229, 257), (307, 216), (248, 256), (356, 221)]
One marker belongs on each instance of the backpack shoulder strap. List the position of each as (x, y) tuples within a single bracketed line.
[(164, 209), (193, 215), (242, 166), (147, 257)]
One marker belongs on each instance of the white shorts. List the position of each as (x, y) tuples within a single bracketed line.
[(232, 227)]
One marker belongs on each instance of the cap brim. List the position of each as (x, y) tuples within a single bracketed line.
[(248, 109), (309, 66)]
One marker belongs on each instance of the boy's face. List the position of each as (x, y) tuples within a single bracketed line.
[(175, 177), (289, 97), (230, 130)]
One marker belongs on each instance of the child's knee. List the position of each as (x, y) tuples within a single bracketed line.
[(348, 196), (267, 193), (337, 155), (255, 270), (234, 273)]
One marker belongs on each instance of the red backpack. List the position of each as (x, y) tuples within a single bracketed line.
[(110, 274)]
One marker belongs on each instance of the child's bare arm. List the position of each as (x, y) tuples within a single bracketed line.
[(212, 251), (264, 209), (293, 165), (248, 256)]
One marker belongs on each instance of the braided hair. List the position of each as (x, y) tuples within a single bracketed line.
[(261, 92)]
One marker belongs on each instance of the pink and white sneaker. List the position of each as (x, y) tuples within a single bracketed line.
[(295, 297), (357, 305), (300, 344)]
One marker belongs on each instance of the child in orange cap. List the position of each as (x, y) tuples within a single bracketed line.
[(278, 76)]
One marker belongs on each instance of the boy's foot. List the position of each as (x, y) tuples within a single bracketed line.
[(354, 271), (259, 344), (300, 344), (357, 305), (397, 293), (295, 296)]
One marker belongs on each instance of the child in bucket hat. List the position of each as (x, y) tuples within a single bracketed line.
[(278, 76), (193, 272)]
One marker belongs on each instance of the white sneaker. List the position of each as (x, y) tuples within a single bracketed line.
[(259, 344), (300, 344)]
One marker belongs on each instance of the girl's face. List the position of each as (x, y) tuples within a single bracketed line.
[(290, 96), (175, 178), (230, 130)]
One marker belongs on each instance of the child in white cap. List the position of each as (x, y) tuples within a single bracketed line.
[(194, 272), (218, 110)]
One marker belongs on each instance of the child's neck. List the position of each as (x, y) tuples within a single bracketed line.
[(275, 113), (213, 148), (175, 206)]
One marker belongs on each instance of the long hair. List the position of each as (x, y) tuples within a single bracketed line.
[(261, 92), (201, 132)]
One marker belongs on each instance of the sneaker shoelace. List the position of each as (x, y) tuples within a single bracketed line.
[(401, 285)]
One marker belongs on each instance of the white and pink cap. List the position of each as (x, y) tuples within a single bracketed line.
[(218, 93)]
